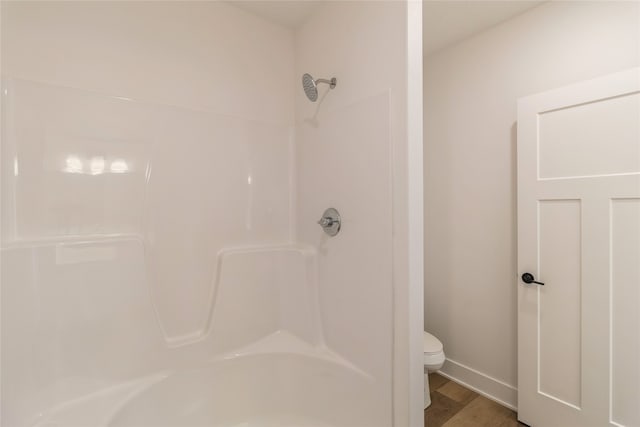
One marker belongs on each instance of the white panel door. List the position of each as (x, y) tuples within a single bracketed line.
[(579, 234)]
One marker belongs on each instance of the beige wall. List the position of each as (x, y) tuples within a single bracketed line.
[(470, 188)]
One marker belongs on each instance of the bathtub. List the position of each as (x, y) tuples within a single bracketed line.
[(101, 359), (266, 390)]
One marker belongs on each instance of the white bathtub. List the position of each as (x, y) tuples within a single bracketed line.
[(260, 360), (264, 390)]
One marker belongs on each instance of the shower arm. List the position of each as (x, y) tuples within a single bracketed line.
[(331, 83)]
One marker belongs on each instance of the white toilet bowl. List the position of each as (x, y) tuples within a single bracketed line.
[(433, 360)]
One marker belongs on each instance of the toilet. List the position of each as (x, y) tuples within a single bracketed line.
[(433, 360)]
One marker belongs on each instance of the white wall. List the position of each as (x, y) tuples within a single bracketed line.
[(206, 93), (196, 98), (204, 128), (201, 55), (351, 151), (470, 94)]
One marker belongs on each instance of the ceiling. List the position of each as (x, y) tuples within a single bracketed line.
[(447, 22), (289, 13), (444, 22)]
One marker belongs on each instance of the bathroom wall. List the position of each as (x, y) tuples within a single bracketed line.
[(202, 126), (144, 137), (470, 94), (351, 154), (139, 139), (200, 55)]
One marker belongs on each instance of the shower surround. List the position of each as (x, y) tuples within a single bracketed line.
[(162, 178)]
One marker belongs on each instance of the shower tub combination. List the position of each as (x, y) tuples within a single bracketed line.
[(93, 334), (165, 256)]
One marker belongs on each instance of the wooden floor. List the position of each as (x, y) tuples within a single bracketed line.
[(455, 406)]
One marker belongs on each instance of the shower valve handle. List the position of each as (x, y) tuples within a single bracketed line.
[(325, 221), (330, 221)]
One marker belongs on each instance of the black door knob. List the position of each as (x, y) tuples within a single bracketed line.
[(528, 278)]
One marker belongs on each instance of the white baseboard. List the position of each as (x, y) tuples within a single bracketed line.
[(491, 388)]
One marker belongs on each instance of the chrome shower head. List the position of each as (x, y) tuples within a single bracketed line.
[(310, 86)]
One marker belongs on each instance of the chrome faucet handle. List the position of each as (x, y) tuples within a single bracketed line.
[(330, 222), (325, 221)]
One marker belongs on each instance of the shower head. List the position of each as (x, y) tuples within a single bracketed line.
[(310, 86)]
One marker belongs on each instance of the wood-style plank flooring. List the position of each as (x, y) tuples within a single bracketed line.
[(455, 406)]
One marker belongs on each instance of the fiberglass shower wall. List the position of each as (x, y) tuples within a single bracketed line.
[(162, 176), (139, 139), (344, 148)]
